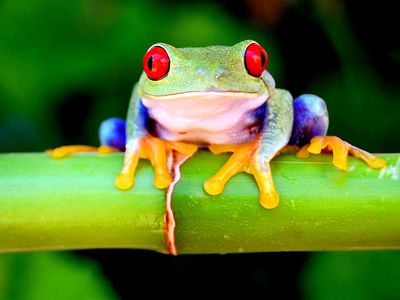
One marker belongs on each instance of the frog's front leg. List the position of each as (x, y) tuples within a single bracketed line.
[(140, 144), (309, 132), (254, 157), (157, 151)]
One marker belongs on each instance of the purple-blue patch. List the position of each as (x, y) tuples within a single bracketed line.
[(310, 119), (112, 133)]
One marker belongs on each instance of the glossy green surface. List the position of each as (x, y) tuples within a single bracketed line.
[(73, 204), (321, 208)]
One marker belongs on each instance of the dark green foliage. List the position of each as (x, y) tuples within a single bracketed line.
[(56, 275), (352, 276)]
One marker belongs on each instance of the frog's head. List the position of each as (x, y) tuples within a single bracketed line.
[(176, 73)]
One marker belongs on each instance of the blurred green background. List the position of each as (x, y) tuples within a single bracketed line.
[(67, 65)]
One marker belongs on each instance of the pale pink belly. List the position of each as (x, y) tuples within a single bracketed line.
[(214, 118)]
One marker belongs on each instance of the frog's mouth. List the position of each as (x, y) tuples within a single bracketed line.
[(205, 95), (204, 113)]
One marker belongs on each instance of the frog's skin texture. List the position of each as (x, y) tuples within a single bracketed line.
[(211, 97)]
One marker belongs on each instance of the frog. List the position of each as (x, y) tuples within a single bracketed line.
[(224, 99)]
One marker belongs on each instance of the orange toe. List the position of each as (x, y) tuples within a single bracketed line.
[(65, 151)]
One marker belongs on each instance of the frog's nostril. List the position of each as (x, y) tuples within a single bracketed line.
[(202, 72), (221, 72)]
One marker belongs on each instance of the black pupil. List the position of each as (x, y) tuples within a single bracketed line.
[(262, 59), (150, 63)]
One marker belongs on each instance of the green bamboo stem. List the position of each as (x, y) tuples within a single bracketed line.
[(72, 203)]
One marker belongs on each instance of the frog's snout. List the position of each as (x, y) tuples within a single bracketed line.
[(203, 73)]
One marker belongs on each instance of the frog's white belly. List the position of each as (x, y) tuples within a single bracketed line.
[(206, 118)]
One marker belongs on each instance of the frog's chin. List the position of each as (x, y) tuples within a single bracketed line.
[(213, 117)]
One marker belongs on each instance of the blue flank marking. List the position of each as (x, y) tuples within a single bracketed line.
[(259, 114), (144, 121)]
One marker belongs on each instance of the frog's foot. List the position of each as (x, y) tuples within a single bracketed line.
[(157, 151), (340, 150), (245, 158), (65, 151)]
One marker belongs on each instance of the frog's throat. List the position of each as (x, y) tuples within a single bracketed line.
[(214, 118)]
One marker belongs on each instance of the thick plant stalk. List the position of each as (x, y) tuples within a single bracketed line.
[(72, 204)]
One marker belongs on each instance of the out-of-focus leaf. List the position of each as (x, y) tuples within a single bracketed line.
[(352, 276), (363, 108), (57, 275)]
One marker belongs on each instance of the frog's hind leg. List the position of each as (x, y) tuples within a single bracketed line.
[(309, 133), (112, 137), (310, 119), (112, 134)]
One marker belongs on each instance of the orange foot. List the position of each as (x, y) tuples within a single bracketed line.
[(65, 151), (157, 151), (340, 150), (245, 158)]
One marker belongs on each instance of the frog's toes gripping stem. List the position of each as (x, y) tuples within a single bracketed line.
[(269, 198), (65, 151), (245, 157), (238, 162), (157, 151), (340, 150)]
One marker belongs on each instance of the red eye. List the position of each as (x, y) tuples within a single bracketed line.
[(255, 59), (156, 63)]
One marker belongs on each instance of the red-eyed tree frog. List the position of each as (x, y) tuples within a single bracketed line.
[(224, 99)]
